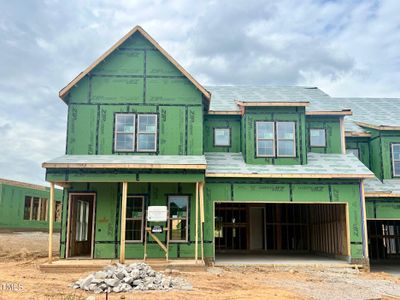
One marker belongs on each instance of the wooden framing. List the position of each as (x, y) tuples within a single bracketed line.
[(381, 195), (273, 104), (139, 29), (357, 134), (330, 113), (225, 112), (51, 222), (123, 222), (283, 175), (67, 246), (201, 199), (378, 127), (123, 166)]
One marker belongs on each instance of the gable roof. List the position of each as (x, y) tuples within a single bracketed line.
[(64, 91)]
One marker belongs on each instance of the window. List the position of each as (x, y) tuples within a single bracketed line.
[(82, 220), (124, 132), (285, 139), (147, 133), (178, 210), (134, 218), (396, 159), (355, 152), (222, 137), (27, 208), (36, 209), (265, 139), (317, 137)]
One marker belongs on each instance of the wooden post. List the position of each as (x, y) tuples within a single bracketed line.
[(201, 193), (51, 222), (123, 222), (364, 220), (196, 239), (342, 135)]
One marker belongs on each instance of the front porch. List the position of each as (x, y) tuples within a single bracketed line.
[(105, 210)]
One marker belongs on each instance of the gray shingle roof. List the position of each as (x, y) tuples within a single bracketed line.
[(374, 111), (126, 161), (223, 97), (319, 165), (387, 186)]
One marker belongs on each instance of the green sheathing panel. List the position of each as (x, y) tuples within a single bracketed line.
[(108, 212), (332, 133), (383, 208), (12, 203), (381, 152), (111, 175), (216, 121), (135, 78), (362, 144), (295, 114), (285, 191)]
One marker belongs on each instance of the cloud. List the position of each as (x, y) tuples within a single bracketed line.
[(347, 48)]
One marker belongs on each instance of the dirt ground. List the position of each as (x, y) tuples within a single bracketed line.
[(20, 278)]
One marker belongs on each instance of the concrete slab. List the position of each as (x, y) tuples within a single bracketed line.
[(281, 259), (390, 268)]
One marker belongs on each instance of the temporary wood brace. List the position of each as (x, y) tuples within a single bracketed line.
[(164, 247), (123, 222)]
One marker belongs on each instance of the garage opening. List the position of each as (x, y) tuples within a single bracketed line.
[(281, 229), (384, 240)]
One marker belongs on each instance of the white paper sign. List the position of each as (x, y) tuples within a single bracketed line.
[(157, 213)]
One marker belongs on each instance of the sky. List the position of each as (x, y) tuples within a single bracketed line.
[(346, 48)]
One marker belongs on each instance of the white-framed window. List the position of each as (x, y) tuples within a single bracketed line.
[(222, 137), (82, 220), (265, 139), (147, 133), (134, 219), (124, 139), (286, 139), (396, 159), (317, 137), (178, 218), (354, 151)]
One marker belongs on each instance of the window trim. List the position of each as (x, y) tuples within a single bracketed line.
[(230, 136), (138, 133), (116, 132), (392, 145), (187, 218), (133, 219), (278, 139), (318, 146), (273, 139)]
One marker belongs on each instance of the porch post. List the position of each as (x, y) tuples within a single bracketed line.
[(51, 222), (196, 240), (123, 222), (201, 193)]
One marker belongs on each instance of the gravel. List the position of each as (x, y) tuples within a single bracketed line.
[(127, 278)]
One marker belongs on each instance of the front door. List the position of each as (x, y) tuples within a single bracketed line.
[(81, 225)]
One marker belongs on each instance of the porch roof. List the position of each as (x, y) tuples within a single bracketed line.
[(386, 188), (188, 162), (318, 166)]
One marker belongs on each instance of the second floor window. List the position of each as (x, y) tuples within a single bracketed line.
[(222, 137), (275, 139), (396, 159), (135, 132), (317, 137)]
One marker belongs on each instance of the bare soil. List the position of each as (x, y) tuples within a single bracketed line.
[(20, 278)]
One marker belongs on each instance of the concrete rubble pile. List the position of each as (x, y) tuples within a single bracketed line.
[(126, 278)]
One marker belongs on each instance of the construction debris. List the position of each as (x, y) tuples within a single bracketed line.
[(126, 278)]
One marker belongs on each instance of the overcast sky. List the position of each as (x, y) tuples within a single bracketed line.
[(347, 48)]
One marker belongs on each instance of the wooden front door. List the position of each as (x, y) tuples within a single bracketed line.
[(81, 225)]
